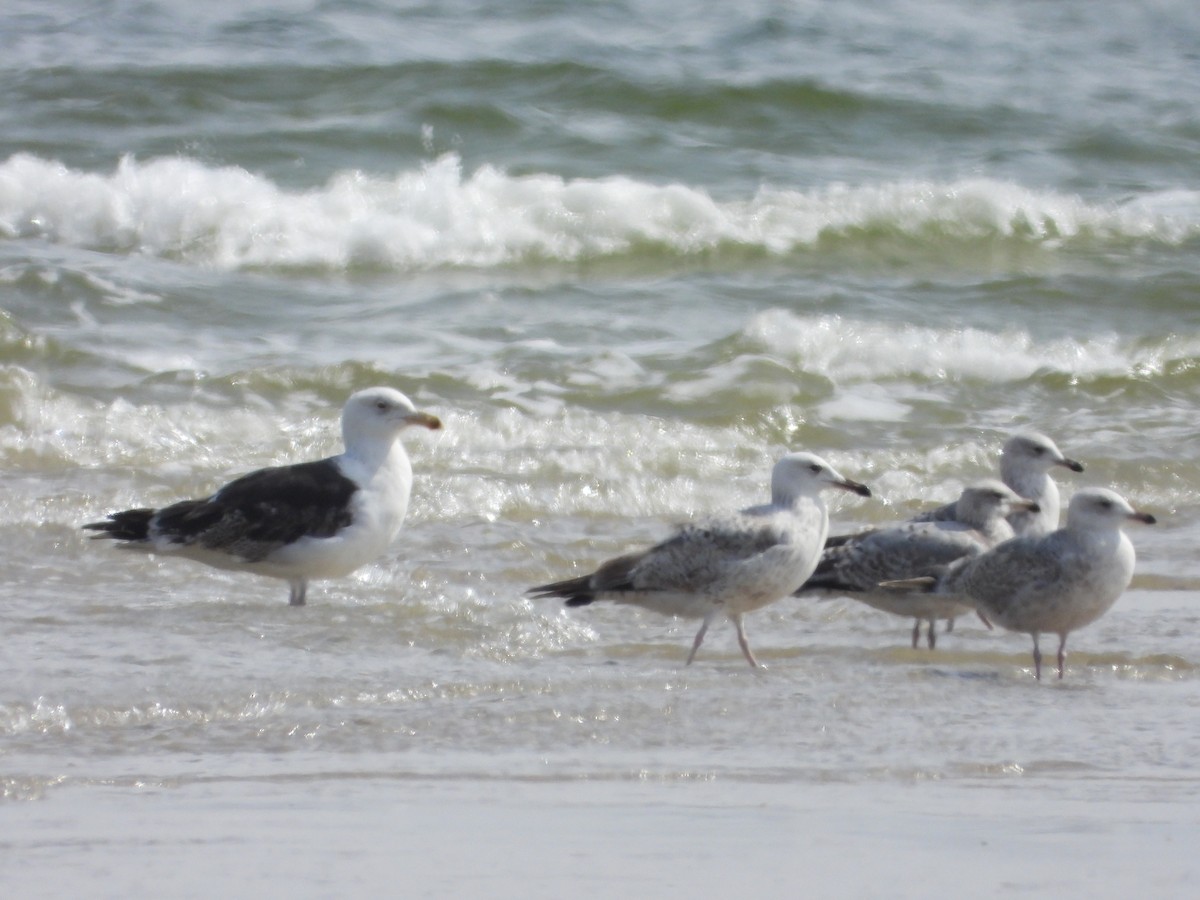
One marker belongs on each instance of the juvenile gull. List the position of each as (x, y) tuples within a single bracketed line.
[(1058, 582), (912, 549), (320, 519), (1025, 463), (729, 564)]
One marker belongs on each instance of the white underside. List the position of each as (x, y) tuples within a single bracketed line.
[(377, 511)]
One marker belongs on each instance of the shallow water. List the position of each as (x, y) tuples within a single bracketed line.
[(629, 257)]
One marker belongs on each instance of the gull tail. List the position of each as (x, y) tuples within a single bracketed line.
[(129, 525), (576, 591), (615, 576)]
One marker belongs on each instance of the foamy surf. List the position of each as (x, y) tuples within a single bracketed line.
[(437, 215)]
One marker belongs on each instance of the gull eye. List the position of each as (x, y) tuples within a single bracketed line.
[(381, 405), (814, 468)]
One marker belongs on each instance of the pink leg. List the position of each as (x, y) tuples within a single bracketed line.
[(1062, 654), (1037, 658), (700, 637), (916, 633), (931, 637), (742, 642)]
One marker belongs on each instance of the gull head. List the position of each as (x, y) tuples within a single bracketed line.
[(989, 500), (806, 474), (1036, 451), (1102, 509), (380, 413)]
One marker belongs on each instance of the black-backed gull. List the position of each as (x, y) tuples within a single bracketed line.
[(321, 519), (730, 564)]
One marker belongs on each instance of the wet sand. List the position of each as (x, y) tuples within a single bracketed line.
[(361, 835)]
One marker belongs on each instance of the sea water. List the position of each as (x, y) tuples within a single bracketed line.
[(630, 253)]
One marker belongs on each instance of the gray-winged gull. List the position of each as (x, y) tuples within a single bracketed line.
[(911, 549), (1055, 583), (1025, 463), (729, 564)]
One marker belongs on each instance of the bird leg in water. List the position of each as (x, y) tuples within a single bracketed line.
[(742, 642), (299, 588), (700, 635)]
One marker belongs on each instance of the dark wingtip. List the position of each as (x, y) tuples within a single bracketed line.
[(128, 525)]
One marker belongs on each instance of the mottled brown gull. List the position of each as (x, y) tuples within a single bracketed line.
[(320, 519), (1056, 583), (731, 564), (910, 549)]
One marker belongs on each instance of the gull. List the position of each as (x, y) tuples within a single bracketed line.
[(1056, 583), (321, 519), (1025, 463), (731, 564), (910, 549)]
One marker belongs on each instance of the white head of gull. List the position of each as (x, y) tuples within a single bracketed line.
[(321, 519), (1025, 464)]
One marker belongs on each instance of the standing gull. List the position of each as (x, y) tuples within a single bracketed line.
[(911, 549), (1025, 463), (1056, 583), (320, 519), (730, 564)]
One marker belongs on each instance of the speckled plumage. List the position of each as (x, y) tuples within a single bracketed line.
[(1056, 583), (857, 566), (321, 519), (730, 564)]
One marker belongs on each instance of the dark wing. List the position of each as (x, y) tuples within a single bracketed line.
[(128, 525), (262, 511)]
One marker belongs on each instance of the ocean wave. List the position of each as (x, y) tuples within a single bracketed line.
[(438, 216)]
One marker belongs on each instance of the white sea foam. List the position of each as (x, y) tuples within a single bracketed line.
[(854, 351), (437, 215)]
